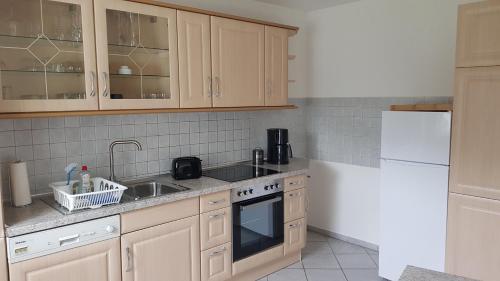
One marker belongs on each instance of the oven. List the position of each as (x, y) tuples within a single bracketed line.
[(257, 220)]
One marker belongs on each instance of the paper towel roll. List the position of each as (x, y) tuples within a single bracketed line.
[(19, 184)]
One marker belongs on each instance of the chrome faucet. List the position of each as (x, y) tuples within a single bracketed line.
[(111, 155)]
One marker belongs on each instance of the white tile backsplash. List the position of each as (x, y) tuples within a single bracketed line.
[(49, 144)]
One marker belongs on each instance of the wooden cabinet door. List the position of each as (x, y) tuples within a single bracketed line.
[(475, 154), (215, 228), (195, 70), (295, 236), (169, 251), (216, 263), (136, 55), (96, 262), (237, 63), (473, 247), (47, 56), (295, 204), (3, 260), (276, 66), (478, 43)]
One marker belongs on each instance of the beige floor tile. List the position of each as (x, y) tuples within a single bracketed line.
[(288, 275), (356, 261), (325, 275), (320, 261), (362, 275)]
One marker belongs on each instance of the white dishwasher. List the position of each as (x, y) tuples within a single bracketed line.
[(83, 251)]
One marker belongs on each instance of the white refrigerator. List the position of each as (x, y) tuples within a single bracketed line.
[(414, 191)]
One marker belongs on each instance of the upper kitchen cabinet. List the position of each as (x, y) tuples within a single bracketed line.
[(475, 154), (47, 56), (137, 55), (238, 63), (478, 41), (276, 66), (195, 70)]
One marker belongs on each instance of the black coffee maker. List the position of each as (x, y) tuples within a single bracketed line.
[(278, 149)]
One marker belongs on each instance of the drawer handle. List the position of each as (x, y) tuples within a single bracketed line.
[(293, 194), (216, 202), (216, 216), (294, 182), (294, 225), (216, 253)]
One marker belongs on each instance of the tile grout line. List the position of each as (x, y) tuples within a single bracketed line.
[(338, 261)]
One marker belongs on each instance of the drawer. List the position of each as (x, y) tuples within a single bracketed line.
[(161, 214), (295, 182), (216, 263), (215, 201), (295, 236), (215, 228), (295, 204)]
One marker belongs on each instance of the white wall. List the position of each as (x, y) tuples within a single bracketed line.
[(373, 48), (263, 11), (344, 200), (383, 48)]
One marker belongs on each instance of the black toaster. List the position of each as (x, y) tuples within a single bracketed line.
[(184, 168)]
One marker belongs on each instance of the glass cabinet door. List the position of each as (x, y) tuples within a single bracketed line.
[(137, 55), (47, 56)]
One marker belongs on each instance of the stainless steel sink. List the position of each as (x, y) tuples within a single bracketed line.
[(150, 188)]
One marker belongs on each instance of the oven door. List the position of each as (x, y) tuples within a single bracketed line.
[(257, 225)]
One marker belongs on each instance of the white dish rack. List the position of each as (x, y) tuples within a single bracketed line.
[(106, 192)]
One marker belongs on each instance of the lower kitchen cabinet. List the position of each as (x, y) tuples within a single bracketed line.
[(215, 228), (96, 262), (295, 236), (3, 260), (295, 204), (473, 247), (216, 263), (170, 251)]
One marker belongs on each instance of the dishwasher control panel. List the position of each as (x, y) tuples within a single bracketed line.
[(33, 245)]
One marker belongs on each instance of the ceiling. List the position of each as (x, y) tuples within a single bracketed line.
[(306, 5)]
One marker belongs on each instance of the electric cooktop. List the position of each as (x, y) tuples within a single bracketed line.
[(238, 173)]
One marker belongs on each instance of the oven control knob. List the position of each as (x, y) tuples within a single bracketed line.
[(239, 193), (250, 191), (272, 186), (266, 187), (277, 185), (245, 192)]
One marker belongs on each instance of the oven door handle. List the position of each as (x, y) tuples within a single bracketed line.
[(267, 202)]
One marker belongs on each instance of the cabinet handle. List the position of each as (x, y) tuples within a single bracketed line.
[(216, 216), (294, 225), (129, 260), (269, 87), (92, 79), (217, 252), (69, 240), (106, 80), (216, 202), (217, 86), (209, 86)]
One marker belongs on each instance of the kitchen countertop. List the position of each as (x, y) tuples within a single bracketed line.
[(412, 273), (40, 216)]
